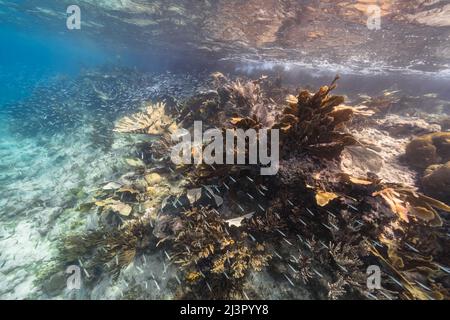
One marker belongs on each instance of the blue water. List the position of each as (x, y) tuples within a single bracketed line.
[(26, 59)]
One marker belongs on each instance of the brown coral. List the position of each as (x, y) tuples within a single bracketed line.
[(427, 150), (436, 182), (313, 122)]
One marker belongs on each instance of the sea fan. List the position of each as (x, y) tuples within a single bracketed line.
[(153, 121)]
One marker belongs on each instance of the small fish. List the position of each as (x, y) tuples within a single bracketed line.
[(209, 287), (326, 226), (167, 255), (334, 226), (289, 280), (364, 96), (423, 286), (359, 222), (377, 244), (276, 253), (323, 244), (331, 214), (157, 285), (396, 281), (343, 268), (292, 268), (390, 93), (445, 269), (411, 247), (280, 232), (308, 245), (385, 294), (317, 272), (429, 298), (371, 296)]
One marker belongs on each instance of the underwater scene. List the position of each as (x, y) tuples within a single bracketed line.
[(225, 150)]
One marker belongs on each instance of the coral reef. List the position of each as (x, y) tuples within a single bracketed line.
[(427, 150), (436, 181), (312, 122), (312, 225), (431, 154), (153, 121)]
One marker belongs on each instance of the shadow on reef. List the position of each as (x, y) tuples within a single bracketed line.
[(311, 226)]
